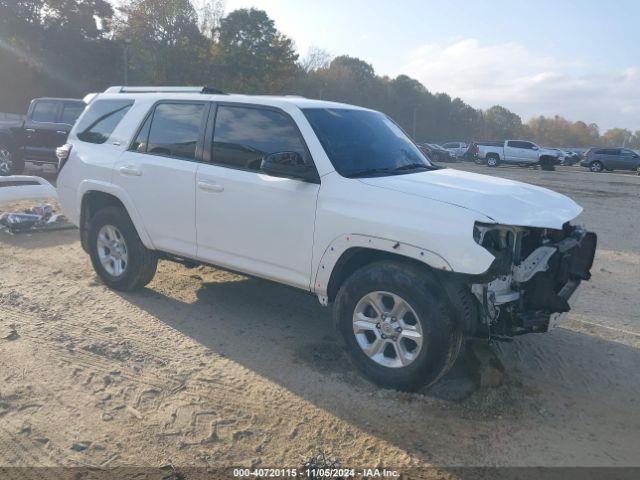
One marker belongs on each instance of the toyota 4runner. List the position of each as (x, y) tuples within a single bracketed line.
[(330, 198)]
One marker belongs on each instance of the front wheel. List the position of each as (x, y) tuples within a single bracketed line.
[(10, 163), (396, 325), (596, 167), (547, 164), (117, 253)]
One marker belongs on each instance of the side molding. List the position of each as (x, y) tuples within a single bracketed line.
[(344, 242)]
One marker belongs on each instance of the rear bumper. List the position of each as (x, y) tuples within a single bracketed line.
[(25, 187)]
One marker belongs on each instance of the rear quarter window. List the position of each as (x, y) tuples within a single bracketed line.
[(101, 119)]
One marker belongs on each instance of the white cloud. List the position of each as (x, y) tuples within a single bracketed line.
[(530, 84)]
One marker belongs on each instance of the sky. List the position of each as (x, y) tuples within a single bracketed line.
[(577, 59)]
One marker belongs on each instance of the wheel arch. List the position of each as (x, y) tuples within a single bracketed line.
[(95, 199), (454, 287), (347, 253)]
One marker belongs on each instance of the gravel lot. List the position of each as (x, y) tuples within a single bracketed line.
[(206, 368)]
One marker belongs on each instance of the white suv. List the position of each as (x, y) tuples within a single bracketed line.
[(329, 198)]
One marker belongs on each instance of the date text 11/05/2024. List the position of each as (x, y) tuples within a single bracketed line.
[(315, 473)]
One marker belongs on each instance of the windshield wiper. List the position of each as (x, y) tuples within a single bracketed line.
[(369, 171), (412, 166)]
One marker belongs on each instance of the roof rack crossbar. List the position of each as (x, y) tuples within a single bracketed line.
[(204, 90)]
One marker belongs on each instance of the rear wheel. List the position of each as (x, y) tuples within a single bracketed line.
[(596, 166), (117, 253), (10, 163), (396, 325)]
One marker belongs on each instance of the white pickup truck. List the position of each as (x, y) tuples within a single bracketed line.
[(519, 152)]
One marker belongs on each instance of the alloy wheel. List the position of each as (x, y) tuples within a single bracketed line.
[(112, 250), (6, 161), (387, 329)]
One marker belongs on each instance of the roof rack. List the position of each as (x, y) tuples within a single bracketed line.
[(203, 90)]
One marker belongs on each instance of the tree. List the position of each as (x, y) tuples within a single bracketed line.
[(55, 48), (167, 46), (316, 59), (251, 56), (617, 137), (500, 123)]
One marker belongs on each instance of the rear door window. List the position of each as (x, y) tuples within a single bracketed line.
[(45, 112), (173, 130), (101, 119)]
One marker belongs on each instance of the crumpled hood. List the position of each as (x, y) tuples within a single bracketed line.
[(505, 201)]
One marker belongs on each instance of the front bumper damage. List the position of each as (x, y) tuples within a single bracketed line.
[(535, 273)]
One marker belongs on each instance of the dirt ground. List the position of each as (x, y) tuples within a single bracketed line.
[(207, 368)]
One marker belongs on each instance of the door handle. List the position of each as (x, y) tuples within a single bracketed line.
[(62, 132), (30, 130), (131, 171), (210, 186)]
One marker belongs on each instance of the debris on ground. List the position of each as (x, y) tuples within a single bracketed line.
[(80, 446), (9, 333), (40, 217)]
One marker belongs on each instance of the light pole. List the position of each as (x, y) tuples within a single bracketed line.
[(125, 60), (415, 111)]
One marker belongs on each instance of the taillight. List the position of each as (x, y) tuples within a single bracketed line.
[(62, 153)]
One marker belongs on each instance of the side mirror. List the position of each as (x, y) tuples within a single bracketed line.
[(289, 165), (534, 148)]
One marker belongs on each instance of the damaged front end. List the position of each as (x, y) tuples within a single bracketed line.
[(535, 272)]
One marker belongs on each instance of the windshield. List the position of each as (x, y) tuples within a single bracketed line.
[(365, 143)]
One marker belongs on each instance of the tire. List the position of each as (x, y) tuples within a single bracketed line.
[(428, 314), (492, 161), (547, 164), (141, 263), (10, 163), (596, 167)]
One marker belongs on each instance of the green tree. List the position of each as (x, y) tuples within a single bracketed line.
[(55, 48), (500, 123), (167, 46), (251, 56)]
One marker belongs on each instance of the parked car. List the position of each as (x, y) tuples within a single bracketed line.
[(436, 153), (458, 149), (329, 198), (600, 159), (36, 138), (570, 157), (519, 152)]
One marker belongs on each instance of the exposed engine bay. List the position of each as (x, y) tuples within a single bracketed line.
[(534, 274)]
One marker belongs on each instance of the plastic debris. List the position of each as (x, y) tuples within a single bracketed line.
[(38, 217)]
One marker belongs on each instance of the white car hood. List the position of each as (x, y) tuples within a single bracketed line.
[(505, 201)]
